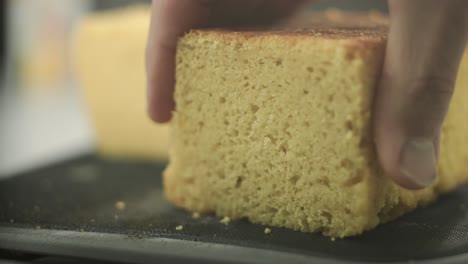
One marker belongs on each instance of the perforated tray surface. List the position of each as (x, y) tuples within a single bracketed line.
[(81, 195)]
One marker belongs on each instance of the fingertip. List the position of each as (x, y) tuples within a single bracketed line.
[(159, 114), (409, 163), (390, 163), (405, 183), (397, 161), (160, 104)]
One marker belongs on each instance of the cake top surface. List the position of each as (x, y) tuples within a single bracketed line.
[(331, 24)]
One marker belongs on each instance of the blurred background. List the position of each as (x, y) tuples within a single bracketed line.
[(49, 112)]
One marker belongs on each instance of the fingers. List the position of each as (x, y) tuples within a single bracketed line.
[(268, 11), (425, 45), (169, 20)]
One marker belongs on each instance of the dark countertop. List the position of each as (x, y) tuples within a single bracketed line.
[(77, 199)]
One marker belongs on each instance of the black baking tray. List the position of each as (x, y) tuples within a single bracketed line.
[(70, 209)]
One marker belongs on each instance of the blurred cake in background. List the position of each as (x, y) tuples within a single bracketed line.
[(109, 50)]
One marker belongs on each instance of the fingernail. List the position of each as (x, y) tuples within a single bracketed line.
[(419, 162)]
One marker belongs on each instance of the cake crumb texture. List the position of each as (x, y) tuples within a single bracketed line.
[(120, 205), (276, 128), (195, 215), (225, 220)]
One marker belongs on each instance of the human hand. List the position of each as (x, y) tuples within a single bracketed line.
[(426, 42), (425, 45)]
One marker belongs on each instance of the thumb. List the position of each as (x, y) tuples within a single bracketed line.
[(425, 45)]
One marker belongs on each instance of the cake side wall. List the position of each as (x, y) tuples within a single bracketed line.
[(270, 128), (357, 194)]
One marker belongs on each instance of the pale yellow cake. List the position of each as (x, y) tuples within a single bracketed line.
[(110, 64), (274, 126)]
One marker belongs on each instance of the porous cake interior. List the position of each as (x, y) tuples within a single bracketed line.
[(275, 128)]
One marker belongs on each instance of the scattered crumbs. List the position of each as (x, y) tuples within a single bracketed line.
[(267, 231), (12, 221), (179, 227), (332, 239), (225, 220), (119, 205), (195, 215), (116, 217), (136, 235)]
